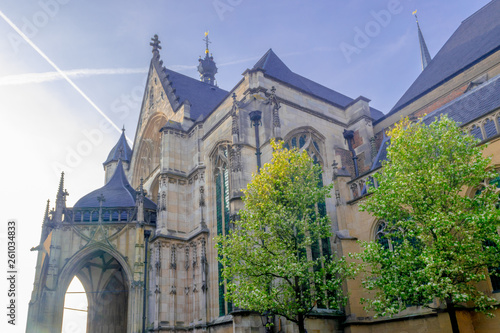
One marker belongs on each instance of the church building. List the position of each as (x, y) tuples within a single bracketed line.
[(142, 244)]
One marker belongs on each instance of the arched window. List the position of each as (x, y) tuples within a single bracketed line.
[(307, 140), (222, 210), (494, 271), (382, 235)]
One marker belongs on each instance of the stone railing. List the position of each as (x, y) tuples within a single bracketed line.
[(484, 127), (359, 187), (106, 215)]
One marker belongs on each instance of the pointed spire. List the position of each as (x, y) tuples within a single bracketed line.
[(46, 214), (206, 66), (61, 191), (424, 52), (60, 200), (120, 151)]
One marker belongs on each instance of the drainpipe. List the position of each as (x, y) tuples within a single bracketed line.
[(147, 233), (349, 136), (255, 117)]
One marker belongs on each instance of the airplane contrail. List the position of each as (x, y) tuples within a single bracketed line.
[(27, 78), (61, 72)]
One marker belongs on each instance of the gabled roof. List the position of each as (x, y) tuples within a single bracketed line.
[(477, 37), (118, 193), (121, 151), (275, 68), (202, 96)]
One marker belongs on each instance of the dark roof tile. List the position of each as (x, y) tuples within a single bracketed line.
[(477, 37), (118, 193)]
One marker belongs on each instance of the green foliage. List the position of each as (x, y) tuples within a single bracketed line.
[(445, 238), (267, 255)]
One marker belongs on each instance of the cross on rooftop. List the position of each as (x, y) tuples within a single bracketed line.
[(155, 44), (101, 199)]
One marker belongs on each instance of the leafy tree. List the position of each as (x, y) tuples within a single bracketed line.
[(442, 240), (273, 259)]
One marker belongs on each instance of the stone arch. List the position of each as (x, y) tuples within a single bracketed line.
[(313, 142), (106, 278), (154, 189), (149, 148)]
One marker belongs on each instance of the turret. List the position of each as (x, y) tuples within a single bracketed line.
[(206, 66), (121, 151)]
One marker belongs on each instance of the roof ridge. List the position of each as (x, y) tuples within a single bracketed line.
[(477, 11), (262, 59)]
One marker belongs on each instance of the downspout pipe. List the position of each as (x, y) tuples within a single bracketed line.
[(255, 117), (349, 137)]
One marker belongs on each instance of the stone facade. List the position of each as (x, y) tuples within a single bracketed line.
[(195, 148)]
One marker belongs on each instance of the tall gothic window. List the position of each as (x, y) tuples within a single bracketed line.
[(222, 210), (382, 236), (306, 140), (495, 279)]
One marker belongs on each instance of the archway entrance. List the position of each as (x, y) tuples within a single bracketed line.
[(106, 286), (75, 308)]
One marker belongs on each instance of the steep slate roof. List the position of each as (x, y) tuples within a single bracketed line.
[(120, 151), (382, 153), (275, 68), (471, 105), (117, 194), (477, 37), (203, 97), (464, 109)]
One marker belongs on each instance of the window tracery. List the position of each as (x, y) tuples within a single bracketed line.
[(222, 210)]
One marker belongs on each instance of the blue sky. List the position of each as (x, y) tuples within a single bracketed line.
[(104, 48)]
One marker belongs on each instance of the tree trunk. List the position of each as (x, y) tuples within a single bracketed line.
[(453, 315), (301, 323)]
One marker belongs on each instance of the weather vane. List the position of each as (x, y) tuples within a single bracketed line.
[(207, 41)]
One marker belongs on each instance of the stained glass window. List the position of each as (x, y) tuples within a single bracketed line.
[(222, 214), (307, 141)]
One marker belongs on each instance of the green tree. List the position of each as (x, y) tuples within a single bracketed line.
[(442, 240), (274, 258)]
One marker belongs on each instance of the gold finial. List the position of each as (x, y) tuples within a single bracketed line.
[(415, 13), (207, 41)]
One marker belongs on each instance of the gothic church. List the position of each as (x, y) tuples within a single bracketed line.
[(142, 244)]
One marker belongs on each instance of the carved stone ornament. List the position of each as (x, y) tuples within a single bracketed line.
[(136, 284), (276, 106), (235, 128), (195, 256), (186, 264), (173, 264), (203, 251), (163, 204), (202, 196), (173, 290), (235, 158)]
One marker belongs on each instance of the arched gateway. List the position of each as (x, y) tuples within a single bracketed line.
[(92, 241)]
